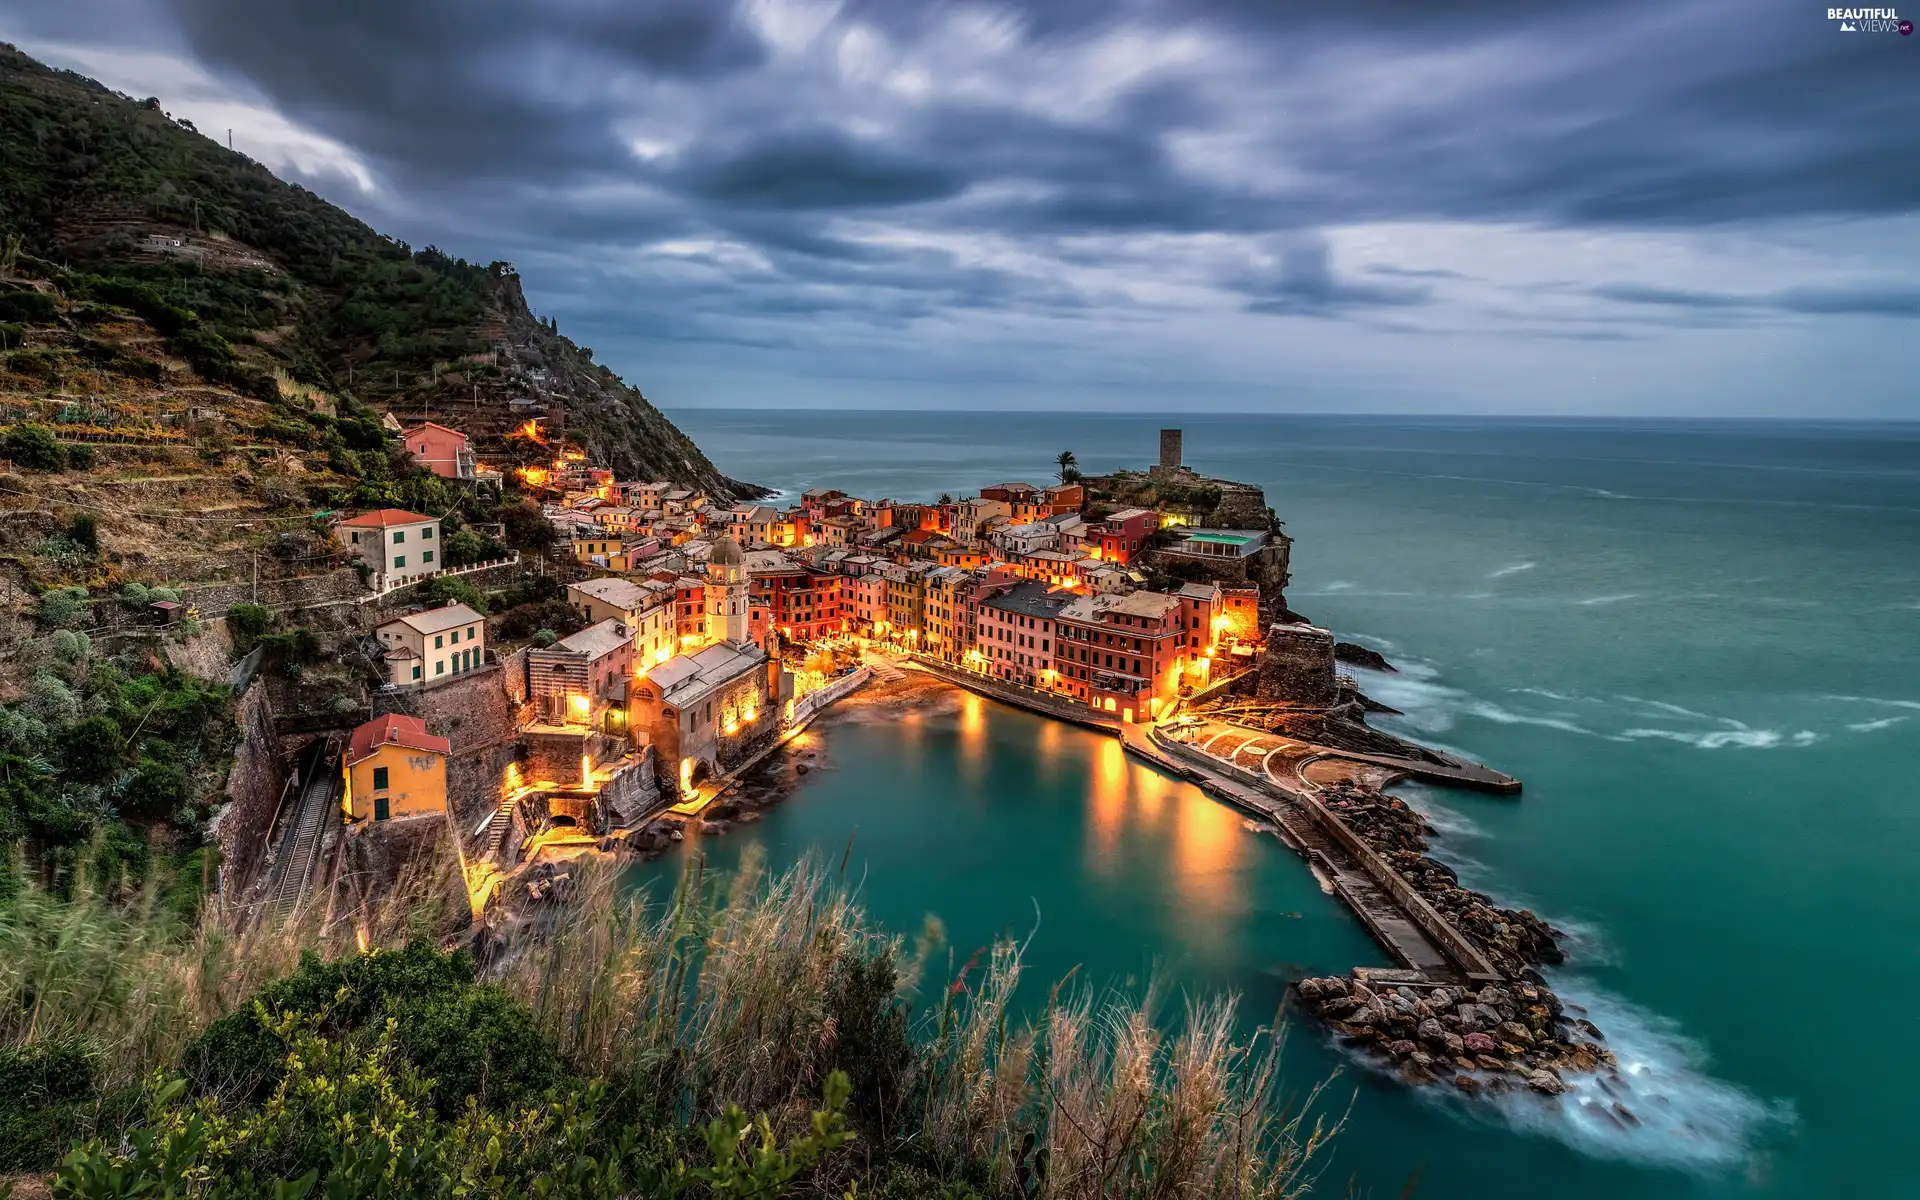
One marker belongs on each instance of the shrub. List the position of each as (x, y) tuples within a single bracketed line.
[(543, 638), (157, 790), (80, 457), (247, 623), (28, 307), (92, 747), (63, 608), (33, 448), (442, 589), (472, 1038), (43, 1085), (84, 531)]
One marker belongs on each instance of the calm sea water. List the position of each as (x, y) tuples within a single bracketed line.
[(1696, 643)]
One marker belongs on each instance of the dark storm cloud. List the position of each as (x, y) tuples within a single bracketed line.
[(440, 94), (820, 168), (1304, 283), (1871, 300), (731, 168)]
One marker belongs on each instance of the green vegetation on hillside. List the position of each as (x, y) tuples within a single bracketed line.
[(260, 285)]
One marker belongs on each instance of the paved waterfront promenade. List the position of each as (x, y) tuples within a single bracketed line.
[(1397, 916)]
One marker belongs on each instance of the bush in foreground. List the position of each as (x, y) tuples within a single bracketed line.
[(614, 1050)]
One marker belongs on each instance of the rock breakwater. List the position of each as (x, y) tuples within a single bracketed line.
[(1495, 1037)]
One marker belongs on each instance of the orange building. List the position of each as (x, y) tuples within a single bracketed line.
[(394, 768)]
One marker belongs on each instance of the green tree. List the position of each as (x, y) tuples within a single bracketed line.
[(92, 747), (1066, 462), (33, 448)]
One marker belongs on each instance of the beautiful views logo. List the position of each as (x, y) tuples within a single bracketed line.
[(1870, 20)]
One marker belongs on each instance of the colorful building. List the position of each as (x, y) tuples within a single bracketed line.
[(1014, 632), (1125, 654), (576, 680), (394, 768), (443, 451), (1123, 534)]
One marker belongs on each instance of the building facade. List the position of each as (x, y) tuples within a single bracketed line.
[(394, 768), (399, 547), (425, 649)]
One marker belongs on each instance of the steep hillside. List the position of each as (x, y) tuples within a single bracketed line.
[(169, 262)]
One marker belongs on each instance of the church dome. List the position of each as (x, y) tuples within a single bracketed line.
[(726, 553)]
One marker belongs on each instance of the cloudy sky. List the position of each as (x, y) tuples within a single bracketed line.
[(1689, 207)]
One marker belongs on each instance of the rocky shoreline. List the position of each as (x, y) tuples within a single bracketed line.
[(1498, 1037)]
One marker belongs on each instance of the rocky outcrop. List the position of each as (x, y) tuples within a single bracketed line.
[(1518, 1031), (1360, 656), (1499, 1037), (609, 418)]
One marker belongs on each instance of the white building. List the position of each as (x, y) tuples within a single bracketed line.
[(400, 547), (428, 648)]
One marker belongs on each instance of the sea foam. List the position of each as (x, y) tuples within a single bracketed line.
[(1681, 1116)]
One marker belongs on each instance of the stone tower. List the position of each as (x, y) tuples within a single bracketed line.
[(1170, 449), (727, 592), (1297, 667)]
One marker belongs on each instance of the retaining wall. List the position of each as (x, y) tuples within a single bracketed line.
[(254, 786)]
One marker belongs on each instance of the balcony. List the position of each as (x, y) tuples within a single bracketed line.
[(1120, 685)]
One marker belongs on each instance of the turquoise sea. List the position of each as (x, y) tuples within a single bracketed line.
[(1698, 644)]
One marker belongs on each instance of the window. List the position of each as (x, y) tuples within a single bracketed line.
[(426, 535), (399, 560), (416, 670), (399, 536), (426, 556), (438, 641), (379, 779), (440, 667)]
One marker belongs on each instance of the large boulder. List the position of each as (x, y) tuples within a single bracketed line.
[(1514, 1031), (1546, 1083), (1479, 1043)]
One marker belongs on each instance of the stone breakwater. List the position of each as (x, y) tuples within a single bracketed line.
[(1494, 1038)]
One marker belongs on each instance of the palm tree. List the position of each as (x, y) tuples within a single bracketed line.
[(1067, 462)]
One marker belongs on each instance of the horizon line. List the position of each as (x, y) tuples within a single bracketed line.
[(1233, 414)]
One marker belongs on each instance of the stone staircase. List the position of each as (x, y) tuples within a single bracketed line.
[(500, 828)]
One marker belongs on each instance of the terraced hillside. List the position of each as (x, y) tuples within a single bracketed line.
[(146, 269)]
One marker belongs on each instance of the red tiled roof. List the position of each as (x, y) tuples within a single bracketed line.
[(380, 518), (394, 729), (434, 425)]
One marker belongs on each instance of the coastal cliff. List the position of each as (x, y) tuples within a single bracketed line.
[(140, 249)]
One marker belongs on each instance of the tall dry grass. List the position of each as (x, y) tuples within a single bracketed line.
[(748, 988)]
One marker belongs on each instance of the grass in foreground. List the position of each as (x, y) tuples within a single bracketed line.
[(616, 1051)]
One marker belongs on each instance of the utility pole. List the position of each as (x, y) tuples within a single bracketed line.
[(229, 141)]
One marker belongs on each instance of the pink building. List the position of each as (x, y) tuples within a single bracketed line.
[(1122, 535), (866, 600), (441, 450)]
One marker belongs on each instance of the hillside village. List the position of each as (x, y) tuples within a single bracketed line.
[(689, 637)]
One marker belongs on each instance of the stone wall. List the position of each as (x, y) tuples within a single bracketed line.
[(478, 714), (1239, 613), (254, 786), (214, 599), (1297, 667), (632, 791), (400, 599)]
